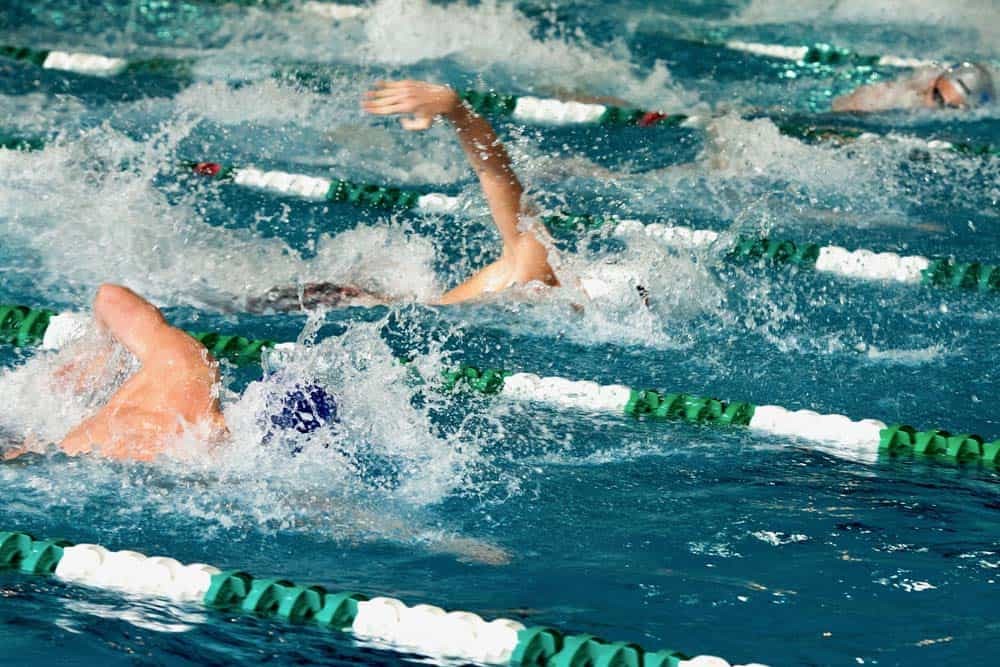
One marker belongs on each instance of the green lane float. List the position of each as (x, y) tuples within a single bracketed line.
[(856, 264), (423, 629), (17, 143), (778, 252), (26, 327), (23, 326), (901, 439), (865, 439), (237, 349), (687, 407), (962, 275)]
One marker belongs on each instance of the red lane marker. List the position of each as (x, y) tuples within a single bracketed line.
[(207, 168), (651, 118)]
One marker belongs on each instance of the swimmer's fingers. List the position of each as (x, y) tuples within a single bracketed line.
[(393, 105), (388, 102), (393, 92), (387, 107), (422, 99)]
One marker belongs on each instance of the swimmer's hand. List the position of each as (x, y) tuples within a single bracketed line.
[(420, 100), (470, 550)]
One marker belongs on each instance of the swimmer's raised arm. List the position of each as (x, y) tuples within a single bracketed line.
[(524, 258), (487, 155), (111, 303), (175, 389)]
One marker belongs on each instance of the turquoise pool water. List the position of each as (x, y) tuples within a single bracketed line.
[(717, 541)]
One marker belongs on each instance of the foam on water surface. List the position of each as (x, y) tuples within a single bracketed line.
[(638, 529)]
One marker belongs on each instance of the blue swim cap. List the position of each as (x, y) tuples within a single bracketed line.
[(305, 408)]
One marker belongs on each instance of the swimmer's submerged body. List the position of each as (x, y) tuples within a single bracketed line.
[(315, 295), (524, 257)]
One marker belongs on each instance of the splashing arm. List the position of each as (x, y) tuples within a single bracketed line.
[(141, 328), (89, 358), (129, 318)]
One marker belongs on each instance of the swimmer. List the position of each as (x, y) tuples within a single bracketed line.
[(964, 86), (524, 258), (175, 393)]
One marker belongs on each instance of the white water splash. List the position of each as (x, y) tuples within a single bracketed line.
[(72, 208), (406, 32)]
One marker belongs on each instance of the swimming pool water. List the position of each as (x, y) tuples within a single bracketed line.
[(670, 535)]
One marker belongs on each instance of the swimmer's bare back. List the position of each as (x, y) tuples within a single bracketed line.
[(314, 295), (174, 391)]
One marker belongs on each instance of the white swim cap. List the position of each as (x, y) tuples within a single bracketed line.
[(974, 81)]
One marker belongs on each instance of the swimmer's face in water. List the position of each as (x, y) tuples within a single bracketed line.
[(944, 93), (961, 87)]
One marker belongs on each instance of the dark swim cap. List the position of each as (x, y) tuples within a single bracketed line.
[(305, 408)]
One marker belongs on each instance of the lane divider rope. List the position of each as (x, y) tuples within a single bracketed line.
[(523, 108), (816, 54), (548, 111), (23, 326), (856, 264), (922, 149), (316, 188), (91, 64), (868, 438), (809, 132), (826, 54), (424, 629)]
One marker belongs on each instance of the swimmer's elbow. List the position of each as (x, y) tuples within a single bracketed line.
[(843, 103), (113, 299), (107, 295)]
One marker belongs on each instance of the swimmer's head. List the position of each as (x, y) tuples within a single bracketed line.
[(304, 408), (962, 87)]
